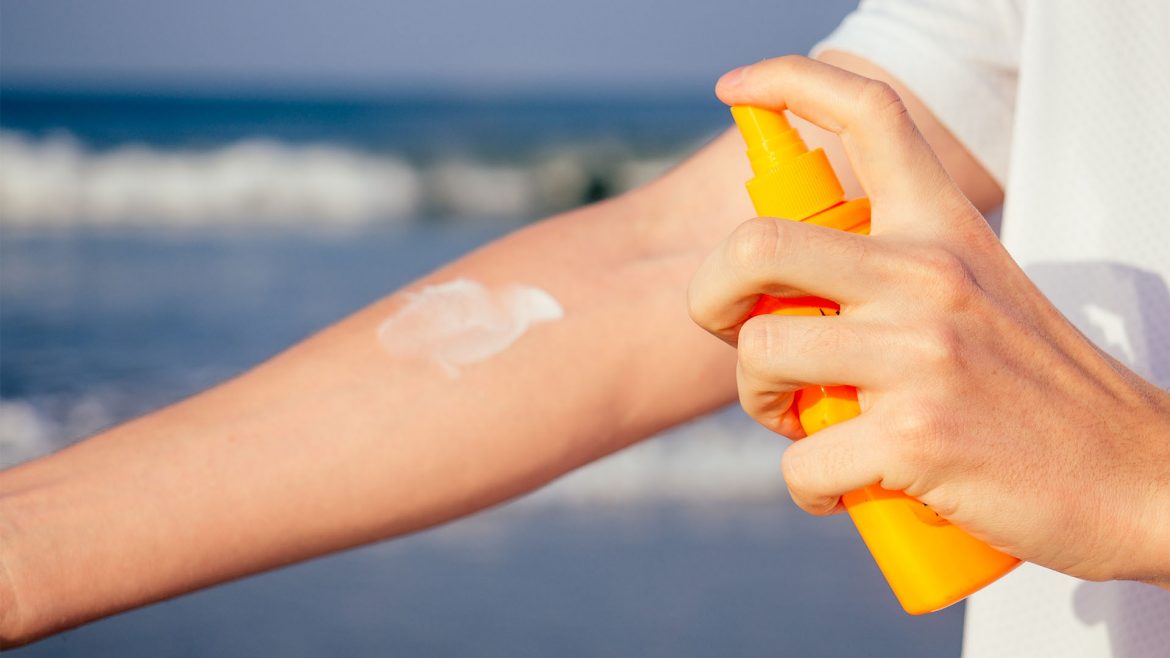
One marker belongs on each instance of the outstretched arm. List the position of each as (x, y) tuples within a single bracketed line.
[(339, 442)]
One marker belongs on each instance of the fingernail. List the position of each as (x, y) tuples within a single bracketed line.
[(733, 77)]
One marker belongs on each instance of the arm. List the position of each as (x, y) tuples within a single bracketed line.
[(336, 443)]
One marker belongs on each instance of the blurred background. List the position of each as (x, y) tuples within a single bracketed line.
[(188, 188)]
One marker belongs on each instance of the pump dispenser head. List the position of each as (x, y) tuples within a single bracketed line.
[(791, 181), (770, 139)]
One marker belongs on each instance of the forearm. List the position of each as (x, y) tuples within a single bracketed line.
[(337, 443)]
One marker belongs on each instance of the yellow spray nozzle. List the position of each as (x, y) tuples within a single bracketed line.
[(770, 139), (791, 181), (758, 124), (767, 131)]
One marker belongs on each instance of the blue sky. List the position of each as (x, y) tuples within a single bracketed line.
[(365, 44)]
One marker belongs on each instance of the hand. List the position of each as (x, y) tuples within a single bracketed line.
[(978, 397)]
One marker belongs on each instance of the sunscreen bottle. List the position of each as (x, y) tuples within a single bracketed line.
[(928, 562)]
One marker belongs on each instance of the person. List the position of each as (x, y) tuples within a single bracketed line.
[(979, 396), (1063, 104)]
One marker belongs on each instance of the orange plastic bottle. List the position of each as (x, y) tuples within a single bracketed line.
[(928, 562)]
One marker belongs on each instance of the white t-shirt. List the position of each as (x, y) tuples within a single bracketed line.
[(1067, 104)]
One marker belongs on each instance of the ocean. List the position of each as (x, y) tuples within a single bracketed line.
[(73, 159), (153, 246)]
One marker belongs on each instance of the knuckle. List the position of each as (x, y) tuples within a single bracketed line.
[(697, 307), (755, 243), (757, 340), (938, 345), (879, 99), (917, 435), (749, 401), (795, 476), (956, 281), (801, 482), (818, 506), (857, 253), (764, 402), (754, 403), (947, 276)]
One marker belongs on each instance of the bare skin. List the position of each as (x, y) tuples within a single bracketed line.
[(978, 397), (334, 443)]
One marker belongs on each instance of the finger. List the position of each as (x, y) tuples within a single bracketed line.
[(838, 459), (789, 352), (789, 425), (893, 162), (768, 404), (784, 259)]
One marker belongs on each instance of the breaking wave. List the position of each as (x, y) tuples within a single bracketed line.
[(59, 182)]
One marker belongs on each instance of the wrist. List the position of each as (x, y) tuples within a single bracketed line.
[(1152, 495), (13, 614), (1159, 509), (1155, 568)]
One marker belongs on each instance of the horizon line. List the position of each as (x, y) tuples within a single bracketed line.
[(276, 89)]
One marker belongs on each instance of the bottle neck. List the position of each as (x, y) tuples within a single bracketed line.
[(774, 152)]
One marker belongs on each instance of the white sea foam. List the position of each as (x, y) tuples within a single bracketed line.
[(29, 429), (24, 433), (57, 181)]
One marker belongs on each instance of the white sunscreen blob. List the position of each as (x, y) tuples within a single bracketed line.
[(462, 322)]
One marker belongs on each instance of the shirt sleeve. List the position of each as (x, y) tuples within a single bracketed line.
[(959, 56)]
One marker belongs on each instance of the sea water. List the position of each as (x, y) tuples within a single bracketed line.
[(162, 161), (122, 288)]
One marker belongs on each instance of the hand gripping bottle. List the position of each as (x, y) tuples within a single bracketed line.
[(928, 562)]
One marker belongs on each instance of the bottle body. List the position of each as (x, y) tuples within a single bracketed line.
[(928, 562)]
